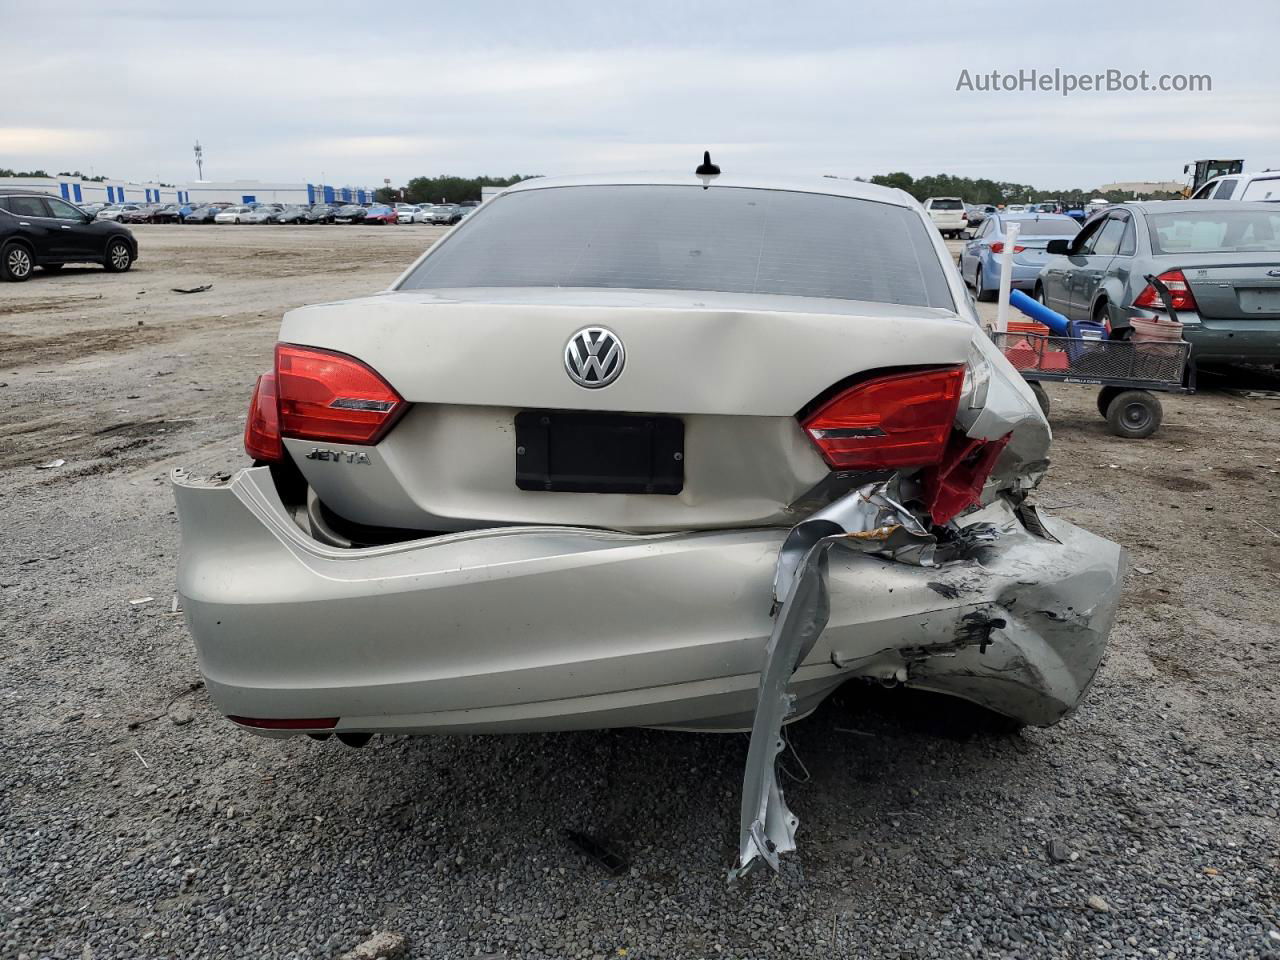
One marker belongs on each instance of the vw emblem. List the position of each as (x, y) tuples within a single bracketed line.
[(594, 357), (1273, 273)]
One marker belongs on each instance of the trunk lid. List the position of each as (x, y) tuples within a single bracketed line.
[(731, 369), (1236, 289)]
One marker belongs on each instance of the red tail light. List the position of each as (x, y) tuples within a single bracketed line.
[(331, 396), (318, 395), (900, 420), (998, 247), (262, 429), (1179, 292)]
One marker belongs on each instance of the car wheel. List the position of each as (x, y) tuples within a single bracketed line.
[(16, 263), (1042, 397), (1134, 414), (1038, 294), (119, 257), (979, 291)]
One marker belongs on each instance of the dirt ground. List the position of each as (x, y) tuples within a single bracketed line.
[(1167, 782)]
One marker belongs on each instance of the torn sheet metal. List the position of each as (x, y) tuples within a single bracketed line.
[(870, 520)]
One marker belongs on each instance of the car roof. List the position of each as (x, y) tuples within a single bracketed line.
[(1025, 215), (12, 192), (830, 186), (1195, 206)]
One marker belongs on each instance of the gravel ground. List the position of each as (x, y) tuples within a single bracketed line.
[(1145, 826)]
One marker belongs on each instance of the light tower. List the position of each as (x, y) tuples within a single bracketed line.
[(199, 161)]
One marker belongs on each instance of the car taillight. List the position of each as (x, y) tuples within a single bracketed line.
[(330, 396), (899, 420), (262, 429), (998, 247), (1179, 293)]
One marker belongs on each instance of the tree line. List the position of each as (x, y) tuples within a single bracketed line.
[(445, 188), (999, 191)]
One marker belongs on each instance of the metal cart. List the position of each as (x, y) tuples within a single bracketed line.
[(1127, 371)]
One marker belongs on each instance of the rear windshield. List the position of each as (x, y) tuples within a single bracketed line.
[(668, 237), (945, 205), (1047, 228), (1226, 231)]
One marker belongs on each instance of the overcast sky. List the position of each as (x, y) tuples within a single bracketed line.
[(353, 93)]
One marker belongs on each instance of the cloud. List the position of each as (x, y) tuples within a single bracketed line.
[(288, 91)]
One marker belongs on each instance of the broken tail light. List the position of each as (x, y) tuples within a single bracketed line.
[(899, 420), (1179, 292), (262, 429), (955, 483), (318, 395)]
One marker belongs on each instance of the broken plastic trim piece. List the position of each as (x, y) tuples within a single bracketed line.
[(869, 520)]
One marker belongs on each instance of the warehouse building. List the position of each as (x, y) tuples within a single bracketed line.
[(78, 190)]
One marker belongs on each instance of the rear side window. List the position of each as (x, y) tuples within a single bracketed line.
[(1048, 228), (1227, 231), (670, 237), (26, 206), (1262, 190)]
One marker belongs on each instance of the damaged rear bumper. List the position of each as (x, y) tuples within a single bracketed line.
[(552, 628)]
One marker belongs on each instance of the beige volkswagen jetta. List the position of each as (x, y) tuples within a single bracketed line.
[(674, 451)]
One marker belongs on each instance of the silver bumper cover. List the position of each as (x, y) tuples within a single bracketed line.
[(538, 628)]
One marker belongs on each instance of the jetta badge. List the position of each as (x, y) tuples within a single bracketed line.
[(593, 357)]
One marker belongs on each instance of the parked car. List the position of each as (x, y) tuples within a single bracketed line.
[(978, 212), (947, 214), (91, 208), (522, 491), (43, 231), (380, 214), (444, 213), (351, 213), (292, 214), (980, 257), (263, 213), (321, 213), (203, 214), (1242, 186), (409, 213), (236, 214), (120, 212), (168, 213), (1220, 260)]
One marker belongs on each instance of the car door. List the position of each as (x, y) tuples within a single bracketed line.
[(1089, 268), (72, 237), (31, 218)]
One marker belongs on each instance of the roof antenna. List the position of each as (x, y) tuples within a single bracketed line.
[(706, 168)]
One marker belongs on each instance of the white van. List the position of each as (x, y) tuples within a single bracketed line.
[(948, 215)]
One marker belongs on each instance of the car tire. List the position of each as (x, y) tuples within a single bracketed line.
[(119, 257), (1042, 397), (979, 292), (1038, 294), (1134, 414), (16, 263)]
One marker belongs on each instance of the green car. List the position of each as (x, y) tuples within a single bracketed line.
[(1220, 260)]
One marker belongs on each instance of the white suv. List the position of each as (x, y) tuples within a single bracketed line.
[(948, 215), (1242, 186)]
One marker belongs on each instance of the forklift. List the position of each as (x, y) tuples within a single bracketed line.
[(1205, 170)]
